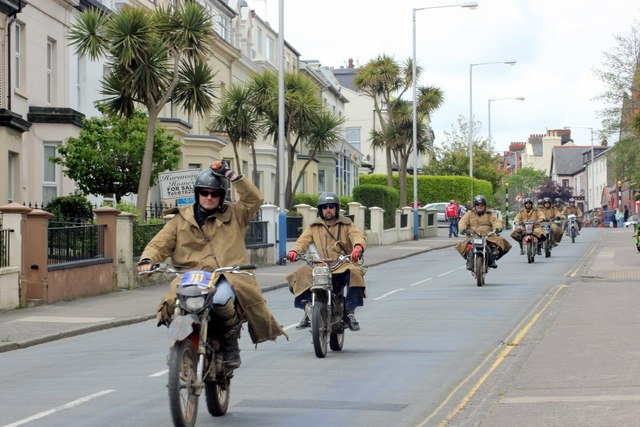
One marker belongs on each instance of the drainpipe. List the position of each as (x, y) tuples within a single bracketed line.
[(9, 59)]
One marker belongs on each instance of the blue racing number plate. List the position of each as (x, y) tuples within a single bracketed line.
[(203, 279)]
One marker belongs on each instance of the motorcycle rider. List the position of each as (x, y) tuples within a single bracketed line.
[(573, 209), (529, 213), (479, 220), (209, 234), (552, 213), (332, 235)]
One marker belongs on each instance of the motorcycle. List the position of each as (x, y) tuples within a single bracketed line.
[(195, 360), (327, 307), (572, 227), (637, 236), (548, 242), (479, 248), (529, 240)]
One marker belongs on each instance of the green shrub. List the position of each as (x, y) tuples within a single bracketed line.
[(72, 206), (129, 208), (312, 200), (370, 195)]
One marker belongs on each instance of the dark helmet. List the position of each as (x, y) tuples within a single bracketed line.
[(540, 201), (558, 200), (209, 180), (480, 200), (546, 200), (328, 198), (527, 200)]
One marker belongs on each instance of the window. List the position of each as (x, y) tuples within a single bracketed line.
[(51, 50), (19, 55), (259, 40), (271, 49), (50, 174), (195, 166), (352, 135), (322, 186), (303, 183), (80, 76), (12, 176), (565, 183)]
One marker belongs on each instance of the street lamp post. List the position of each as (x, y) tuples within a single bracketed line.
[(471, 5), (512, 62), (506, 205), (282, 219), (519, 98), (592, 190)]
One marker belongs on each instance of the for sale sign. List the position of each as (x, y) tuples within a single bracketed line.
[(177, 184)]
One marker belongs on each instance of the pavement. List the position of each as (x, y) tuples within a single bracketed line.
[(574, 363)]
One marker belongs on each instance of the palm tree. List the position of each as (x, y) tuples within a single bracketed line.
[(324, 134), (153, 57), (237, 117)]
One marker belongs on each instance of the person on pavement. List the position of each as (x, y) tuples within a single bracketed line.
[(573, 209), (209, 234), (479, 220), (529, 213), (551, 213), (332, 235), (453, 216)]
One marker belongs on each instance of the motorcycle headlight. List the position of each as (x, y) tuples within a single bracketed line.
[(194, 303), (321, 275)]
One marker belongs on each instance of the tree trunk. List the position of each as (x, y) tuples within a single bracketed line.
[(147, 165), (256, 177), (235, 153), (387, 151)]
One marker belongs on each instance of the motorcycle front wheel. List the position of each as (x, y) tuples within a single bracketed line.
[(547, 247), (217, 393), (183, 401), (531, 254), (319, 328), (573, 235), (336, 340), (479, 270)]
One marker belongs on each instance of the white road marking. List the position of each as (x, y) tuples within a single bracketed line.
[(160, 373), (421, 281), (59, 408), (290, 326), (388, 293), (55, 319), (445, 273)]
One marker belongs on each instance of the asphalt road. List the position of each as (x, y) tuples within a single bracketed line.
[(427, 333)]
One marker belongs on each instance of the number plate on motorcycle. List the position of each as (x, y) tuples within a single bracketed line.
[(477, 241), (203, 279)]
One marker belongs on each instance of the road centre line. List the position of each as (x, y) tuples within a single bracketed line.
[(160, 373), (421, 281), (446, 272), (388, 293), (59, 408)]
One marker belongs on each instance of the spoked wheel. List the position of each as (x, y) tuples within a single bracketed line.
[(573, 235), (479, 269), (319, 328), (217, 393), (547, 248), (182, 382), (336, 340), (531, 254)]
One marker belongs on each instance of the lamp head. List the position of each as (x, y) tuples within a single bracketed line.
[(470, 4)]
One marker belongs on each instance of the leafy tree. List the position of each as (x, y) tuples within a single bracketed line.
[(626, 158), (620, 75), (453, 157), (526, 181), (153, 57), (550, 188), (238, 118), (386, 82), (106, 157)]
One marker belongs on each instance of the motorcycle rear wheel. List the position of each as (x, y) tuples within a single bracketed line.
[(217, 394), (479, 270), (183, 402), (319, 328)]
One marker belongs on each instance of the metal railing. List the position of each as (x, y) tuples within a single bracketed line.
[(256, 233), (75, 243), (5, 253)]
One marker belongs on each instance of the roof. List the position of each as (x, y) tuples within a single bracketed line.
[(345, 77), (568, 160)]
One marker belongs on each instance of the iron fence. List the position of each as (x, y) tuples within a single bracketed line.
[(5, 254), (256, 233), (74, 243)]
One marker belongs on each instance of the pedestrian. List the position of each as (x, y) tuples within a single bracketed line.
[(626, 213), (614, 220), (452, 213), (620, 217)]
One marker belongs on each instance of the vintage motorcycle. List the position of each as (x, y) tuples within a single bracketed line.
[(479, 249), (636, 236), (195, 362), (529, 243), (548, 242), (327, 307), (572, 227)]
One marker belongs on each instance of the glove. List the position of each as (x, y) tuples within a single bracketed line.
[(356, 253), (498, 230), (292, 256), (145, 266), (220, 168)]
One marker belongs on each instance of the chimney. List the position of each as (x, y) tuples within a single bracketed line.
[(350, 63)]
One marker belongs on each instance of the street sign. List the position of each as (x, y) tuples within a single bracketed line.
[(177, 184)]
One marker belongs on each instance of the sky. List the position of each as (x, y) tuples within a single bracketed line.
[(556, 45)]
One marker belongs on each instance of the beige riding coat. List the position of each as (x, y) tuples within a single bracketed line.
[(481, 224), (524, 216), (220, 243), (324, 237)]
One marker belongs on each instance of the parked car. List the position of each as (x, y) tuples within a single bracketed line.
[(632, 220), (440, 207)]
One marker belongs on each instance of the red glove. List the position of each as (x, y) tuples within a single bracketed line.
[(356, 254), (220, 168), (292, 256)]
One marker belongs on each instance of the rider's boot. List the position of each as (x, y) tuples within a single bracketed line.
[(492, 259), (230, 331), (469, 261), (521, 246), (352, 323), (539, 247)]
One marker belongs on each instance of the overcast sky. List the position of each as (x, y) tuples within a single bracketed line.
[(556, 43)]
